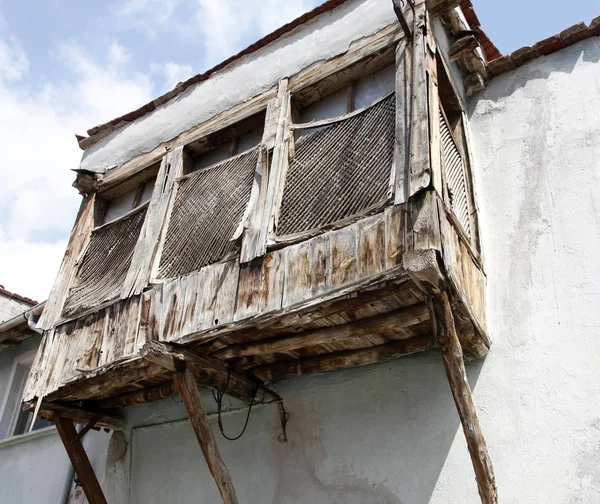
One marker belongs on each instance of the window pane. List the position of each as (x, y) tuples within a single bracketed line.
[(250, 140), (212, 157), (119, 206), (333, 105), (374, 86), (147, 193)]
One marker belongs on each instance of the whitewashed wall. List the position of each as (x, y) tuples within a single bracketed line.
[(10, 307)]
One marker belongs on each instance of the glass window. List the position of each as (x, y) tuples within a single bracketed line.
[(374, 86), (126, 202), (15, 421)]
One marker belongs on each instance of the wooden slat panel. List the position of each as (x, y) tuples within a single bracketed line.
[(455, 176)]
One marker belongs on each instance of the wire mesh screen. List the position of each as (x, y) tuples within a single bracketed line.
[(456, 183), (208, 208), (339, 170), (105, 264)]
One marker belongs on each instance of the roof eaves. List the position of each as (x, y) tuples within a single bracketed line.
[(17, 297), (102, 130), (550, 45)]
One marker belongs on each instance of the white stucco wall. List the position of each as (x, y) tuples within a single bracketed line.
[(537, 158), (327, 35), (389, 433), (10, 307)]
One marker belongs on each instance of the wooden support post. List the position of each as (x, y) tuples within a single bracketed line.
[(188, 390), (80, 461), (441, 314)]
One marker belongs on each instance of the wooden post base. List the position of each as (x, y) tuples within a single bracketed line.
[(441, 314)]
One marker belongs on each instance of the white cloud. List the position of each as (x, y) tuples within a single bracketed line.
[(13, 61), (172, 73), (225, 25), (221, 28), (151, 16), (37, 127)]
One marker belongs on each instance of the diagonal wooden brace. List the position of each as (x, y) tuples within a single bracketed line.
[(79, 459), (441, 315)]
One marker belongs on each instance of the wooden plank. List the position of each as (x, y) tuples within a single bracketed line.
[(343, 245), (190, 396), (440, 7), (145, 252), (463, 47), (108, 420), (420, 165), (80, 461), (105, 379), (342, 360), (371, 255), (394, 235), (257, 247), (398, 319), (249, 228), (452, 354), (401, 139), (80, 235), (139, 397), (209, 371), (424, 222), (434, 117)]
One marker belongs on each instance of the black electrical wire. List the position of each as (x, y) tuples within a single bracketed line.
[(218, 397)]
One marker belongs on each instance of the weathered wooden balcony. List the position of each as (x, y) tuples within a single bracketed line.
[(333, 243)]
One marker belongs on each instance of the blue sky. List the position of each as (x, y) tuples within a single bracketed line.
[(68, 65)]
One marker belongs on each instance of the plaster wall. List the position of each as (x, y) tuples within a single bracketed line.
[(389, 433), (34, 467), (10, 307), (326, 36)]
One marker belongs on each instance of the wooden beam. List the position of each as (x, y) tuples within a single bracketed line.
[(399, 319), (188, 390), (441, 313), (344, 359), (440, 7), (80, 461), (208, 371), (463, 47), (139, 396), (108, 420), (100, 382)]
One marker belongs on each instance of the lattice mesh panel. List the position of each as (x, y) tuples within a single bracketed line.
[(455, 176), (339, 170), (208, 208), (105, 264)]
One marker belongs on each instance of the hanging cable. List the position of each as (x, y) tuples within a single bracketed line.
[(218, 397)]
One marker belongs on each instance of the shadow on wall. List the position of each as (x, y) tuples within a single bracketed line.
[(373, 435), (563, 61)]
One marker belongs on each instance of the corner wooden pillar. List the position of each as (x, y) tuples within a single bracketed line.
[(188, 390), (441, 314), (81, 463)]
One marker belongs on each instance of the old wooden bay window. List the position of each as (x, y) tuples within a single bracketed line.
[(108, 255)]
